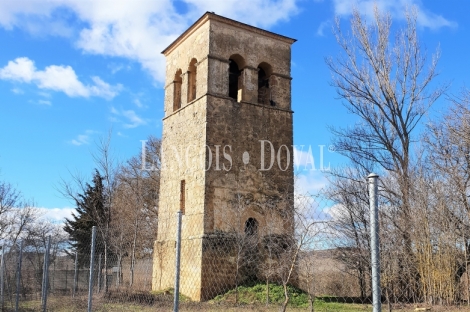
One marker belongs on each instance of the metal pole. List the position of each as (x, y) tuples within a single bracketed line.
[(2, 273), (43, 277), (99, 273), (92, 258), (374, 244), (18, 277), (53, 278), (75, 275), (45, 274), (177, 266), (66, 277)]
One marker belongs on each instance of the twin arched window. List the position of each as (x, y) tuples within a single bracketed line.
[(235, 80), (192, 81)]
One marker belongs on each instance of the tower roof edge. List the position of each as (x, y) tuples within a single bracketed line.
[(212, 16)]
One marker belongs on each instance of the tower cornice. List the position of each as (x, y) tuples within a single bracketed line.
[(212, 16)]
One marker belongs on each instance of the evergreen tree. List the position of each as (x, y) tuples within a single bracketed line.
[(90, 211)]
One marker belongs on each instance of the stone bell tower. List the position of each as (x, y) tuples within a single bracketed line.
[(227, 153)]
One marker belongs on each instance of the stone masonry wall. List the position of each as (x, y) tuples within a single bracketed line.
[(214, 144)]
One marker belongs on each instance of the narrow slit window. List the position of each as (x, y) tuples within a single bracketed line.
[(192, 80), (177, 91), (182, 195), (264, 89), (234, 79)]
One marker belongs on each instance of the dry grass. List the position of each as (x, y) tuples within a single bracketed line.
[(164, 302)]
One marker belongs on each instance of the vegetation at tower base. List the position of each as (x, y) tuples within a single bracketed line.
[(256, 293)]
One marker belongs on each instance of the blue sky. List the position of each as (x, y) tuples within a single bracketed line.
[(72, 70)]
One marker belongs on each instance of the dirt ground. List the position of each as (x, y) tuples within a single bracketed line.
[(67, 304)]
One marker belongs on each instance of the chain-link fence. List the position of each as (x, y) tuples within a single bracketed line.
[(316, 256)]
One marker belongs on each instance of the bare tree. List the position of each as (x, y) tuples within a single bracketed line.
[(101, 210), (350, 223), (387, 86), (448, 157), (35, 240), (137, 200), (307, 276), (16, 213), (301, 240)]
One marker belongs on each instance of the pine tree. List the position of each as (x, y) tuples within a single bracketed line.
[(90, 211)]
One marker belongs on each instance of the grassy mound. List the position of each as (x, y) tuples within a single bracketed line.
[(257, 295)]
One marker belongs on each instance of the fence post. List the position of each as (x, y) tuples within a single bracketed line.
[(375, 244), (177, 264), (75, 275), (92, 258), (99, 273), (18, 277), (53, 278), (45, 274), (66, 277), (2, 274)]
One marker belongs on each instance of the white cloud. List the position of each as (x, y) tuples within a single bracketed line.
[(137, 30), (117, 67), (335, 212), (132, 120), (56, 214), (45, 102), (304, 159), (14, 13), (397, 10), (45, 94), (17, 91), (138, 103), (22, 69), (82, 139), (310, 182), (261, 13), (56, 78), (321, 29)]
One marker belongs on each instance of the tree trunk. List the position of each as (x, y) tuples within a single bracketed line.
[(267, 291), (118, 275), (362, 282), (311, 300), (388, 300), (286, 300), (105, 267), (236, 283), (133, 254)]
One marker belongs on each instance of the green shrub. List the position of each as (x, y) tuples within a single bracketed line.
[(257, 294)]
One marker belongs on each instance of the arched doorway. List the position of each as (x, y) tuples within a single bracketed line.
[(251, 227)]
